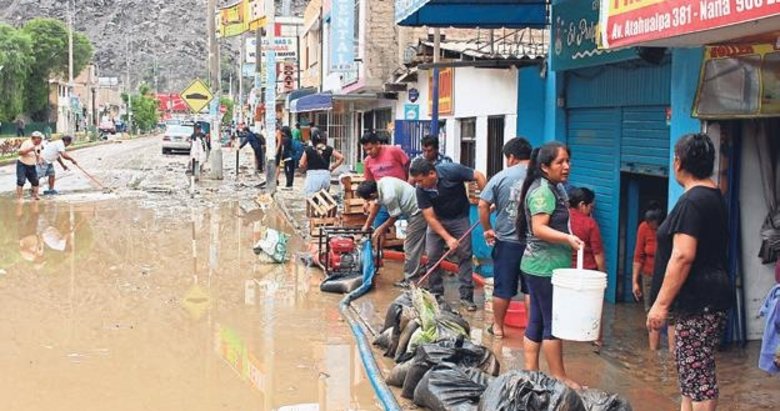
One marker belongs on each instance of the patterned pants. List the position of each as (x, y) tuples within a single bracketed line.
[(697, 337)]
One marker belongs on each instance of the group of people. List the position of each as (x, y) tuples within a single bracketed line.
[(289, 148), (679, 262), (36, 161)]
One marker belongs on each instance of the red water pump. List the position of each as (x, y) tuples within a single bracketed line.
[(343, 255)]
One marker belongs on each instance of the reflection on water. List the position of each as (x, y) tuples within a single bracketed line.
[(120, 306)]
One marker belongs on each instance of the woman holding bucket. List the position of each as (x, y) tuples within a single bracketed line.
[(543, 215), (690, 278)]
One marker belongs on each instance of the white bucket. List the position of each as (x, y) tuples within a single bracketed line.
[(578, 299)]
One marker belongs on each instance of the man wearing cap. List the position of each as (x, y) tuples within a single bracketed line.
[(29, 157), (54, 151)]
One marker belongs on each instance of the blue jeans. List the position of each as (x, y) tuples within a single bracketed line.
[(25, 172)]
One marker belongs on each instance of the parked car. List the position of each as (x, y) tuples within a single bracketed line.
[(176, 138)]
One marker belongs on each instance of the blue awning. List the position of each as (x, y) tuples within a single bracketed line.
[(296, 94), (312, 102), (471, 13)]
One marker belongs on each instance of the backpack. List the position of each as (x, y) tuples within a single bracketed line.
[(297, 150)]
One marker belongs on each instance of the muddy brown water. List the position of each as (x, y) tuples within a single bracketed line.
[(113, 306)]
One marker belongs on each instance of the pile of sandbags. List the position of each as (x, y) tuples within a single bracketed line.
[(439, 368)]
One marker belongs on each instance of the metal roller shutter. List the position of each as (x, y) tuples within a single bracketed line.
[(593, 135), (644, 147)]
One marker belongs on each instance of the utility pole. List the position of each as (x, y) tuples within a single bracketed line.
[(71, 114), (129, 88), (216, 89), (270, 94), (240, 98), (435, 101)]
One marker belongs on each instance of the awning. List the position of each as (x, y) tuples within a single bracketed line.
[(312, 102), (484, 14), (296, 94)]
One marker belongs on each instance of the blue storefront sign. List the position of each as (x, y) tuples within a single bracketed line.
[(574, 34), (342, 36)]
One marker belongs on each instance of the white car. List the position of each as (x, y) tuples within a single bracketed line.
[(176, 138)]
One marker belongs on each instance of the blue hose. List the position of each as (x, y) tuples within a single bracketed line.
[(381, 389)]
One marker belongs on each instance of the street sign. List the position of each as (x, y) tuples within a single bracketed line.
[(197, 96)]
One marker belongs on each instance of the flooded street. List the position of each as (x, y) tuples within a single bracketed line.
[(141, 300), (147, 299)]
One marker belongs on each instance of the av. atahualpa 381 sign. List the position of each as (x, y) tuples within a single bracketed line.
[(631, 22)]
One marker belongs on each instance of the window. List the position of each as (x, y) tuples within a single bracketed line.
[(468, 142), (495, 145)]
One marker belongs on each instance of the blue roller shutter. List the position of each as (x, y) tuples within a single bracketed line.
[(644, 147), (593, 135)]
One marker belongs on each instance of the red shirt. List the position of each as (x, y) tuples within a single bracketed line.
[(644, 252), (391, 161), (587, 230)]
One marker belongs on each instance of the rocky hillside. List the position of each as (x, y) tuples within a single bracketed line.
[(162, 37)]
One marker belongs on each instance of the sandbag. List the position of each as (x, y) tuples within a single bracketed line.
[(447, 387), (455, 318), (401, 352), (384, 339), (274, 243), (341, 284), (597, 400), (428, 355), (393, 313), (478, 376), (531, 391), (398, 374)]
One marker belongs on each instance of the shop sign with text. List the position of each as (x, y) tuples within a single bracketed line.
[(342, 36), (575, 34), (445, 91), (632, 22)]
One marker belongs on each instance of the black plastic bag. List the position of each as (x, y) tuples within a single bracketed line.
[(403, 342), (597, 400), (383, 340), (398, 374), (455, 318), (342, 284), (530, 391), (478, 376), (446, 387), (393, 313)]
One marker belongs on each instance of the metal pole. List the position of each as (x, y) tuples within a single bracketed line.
[(216, 87), (129, 88), (71, 114), (241, 80), (435, 79), (270, 97)]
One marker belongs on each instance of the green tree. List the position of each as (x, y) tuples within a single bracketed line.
[(228, 103), (145, 114), (15, 61), (50, 53)]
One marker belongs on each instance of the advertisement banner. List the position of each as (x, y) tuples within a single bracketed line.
[(285, 47), (575, 37), (270, 92), (342, 36), (445, 91), (633, 22), (739, 81), (234, 19), (256, 14)]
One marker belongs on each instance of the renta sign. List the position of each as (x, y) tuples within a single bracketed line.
[(633, 22)]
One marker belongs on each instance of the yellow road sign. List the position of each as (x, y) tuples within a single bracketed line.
[(197, 96)]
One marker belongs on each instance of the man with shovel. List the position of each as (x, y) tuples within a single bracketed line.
[(54, 151), (442, 197)]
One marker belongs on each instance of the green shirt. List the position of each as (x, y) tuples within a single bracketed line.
[(296, 134), (542, 257)]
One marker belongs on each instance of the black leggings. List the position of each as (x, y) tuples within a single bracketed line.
[(289, 171)]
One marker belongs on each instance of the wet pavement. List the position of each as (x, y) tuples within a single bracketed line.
[(150, 298)]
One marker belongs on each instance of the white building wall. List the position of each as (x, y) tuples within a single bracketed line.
[(477, 93), (759, 278)]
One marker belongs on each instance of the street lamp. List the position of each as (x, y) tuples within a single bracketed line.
[(71, 120)]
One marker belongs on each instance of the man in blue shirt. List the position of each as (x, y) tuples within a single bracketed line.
[(503, 192), (430, 151), (442, 197)]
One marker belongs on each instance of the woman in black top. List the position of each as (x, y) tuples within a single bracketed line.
[(690, 279), (316, 161)]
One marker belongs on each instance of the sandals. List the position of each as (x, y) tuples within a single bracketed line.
[(493, 333)]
